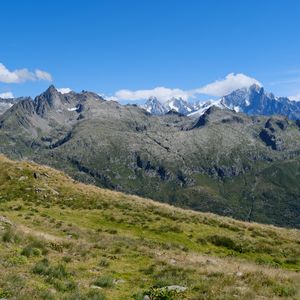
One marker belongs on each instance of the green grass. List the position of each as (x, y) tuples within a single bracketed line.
[(64, 240)]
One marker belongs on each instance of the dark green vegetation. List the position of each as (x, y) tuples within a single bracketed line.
[(223, 162), (61, 239)]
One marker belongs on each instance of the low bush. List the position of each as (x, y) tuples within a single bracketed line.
[(104, 262), (11, 236), (17, 260), (164, 294), (31, 251), (227, 242), (43, 267), (104, 282), (63, 285)]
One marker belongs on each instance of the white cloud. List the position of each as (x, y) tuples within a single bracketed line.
[(42, 75), (6, 95), (226, 86), (217, 88), (109, 98), (161, 93), (64, 90), (295, 97), (22, 75)]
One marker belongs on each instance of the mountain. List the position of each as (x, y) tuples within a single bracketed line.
[(155, 107), (251, 101), (5, 104), (255, 101), (179, 105), (201, 107), (61, 239), (225, 162)]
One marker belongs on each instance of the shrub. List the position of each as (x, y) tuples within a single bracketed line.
[(227, 242), (63, 285), (104, 282), (170, 275), (164, 294), (10, 236), (17, 260), (104, 262), (284, 291), (4, 294), (41, 267), (58, 271), (31, 251)]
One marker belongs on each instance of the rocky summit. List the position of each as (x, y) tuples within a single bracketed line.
[(222, 161), (255, 101)]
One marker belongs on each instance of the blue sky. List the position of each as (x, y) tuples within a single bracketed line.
[(181, 45)]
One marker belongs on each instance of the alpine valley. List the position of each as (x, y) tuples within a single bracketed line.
[(238, 156)]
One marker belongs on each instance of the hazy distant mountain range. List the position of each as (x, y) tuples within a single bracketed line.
[(252, 101), (218, 159)]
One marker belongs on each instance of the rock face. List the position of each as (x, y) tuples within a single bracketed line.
[(6, 104), (223, 161), (254, 101), (180, 106), (155, 107)]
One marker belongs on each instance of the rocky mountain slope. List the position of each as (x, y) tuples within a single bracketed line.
[(7, 103), (223, 161), (61, 239)]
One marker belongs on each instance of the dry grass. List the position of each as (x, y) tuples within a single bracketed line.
[(63, 236)]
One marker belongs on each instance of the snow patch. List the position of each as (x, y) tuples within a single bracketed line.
[(8, 105), (72, 109), (64, 90)]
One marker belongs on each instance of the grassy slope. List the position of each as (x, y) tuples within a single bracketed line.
[(210, 168), (66, 237)]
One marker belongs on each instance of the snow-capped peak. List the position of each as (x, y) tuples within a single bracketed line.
[(154, 106), (252, 101), (179, 105), (204, 106)]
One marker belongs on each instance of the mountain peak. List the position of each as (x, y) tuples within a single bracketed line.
[(154, 106), (256, 88), (255, 101), (51, 89), (51, 98), (152, 98)]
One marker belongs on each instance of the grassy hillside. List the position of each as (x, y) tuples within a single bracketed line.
[(61, 239), (222, 162)]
